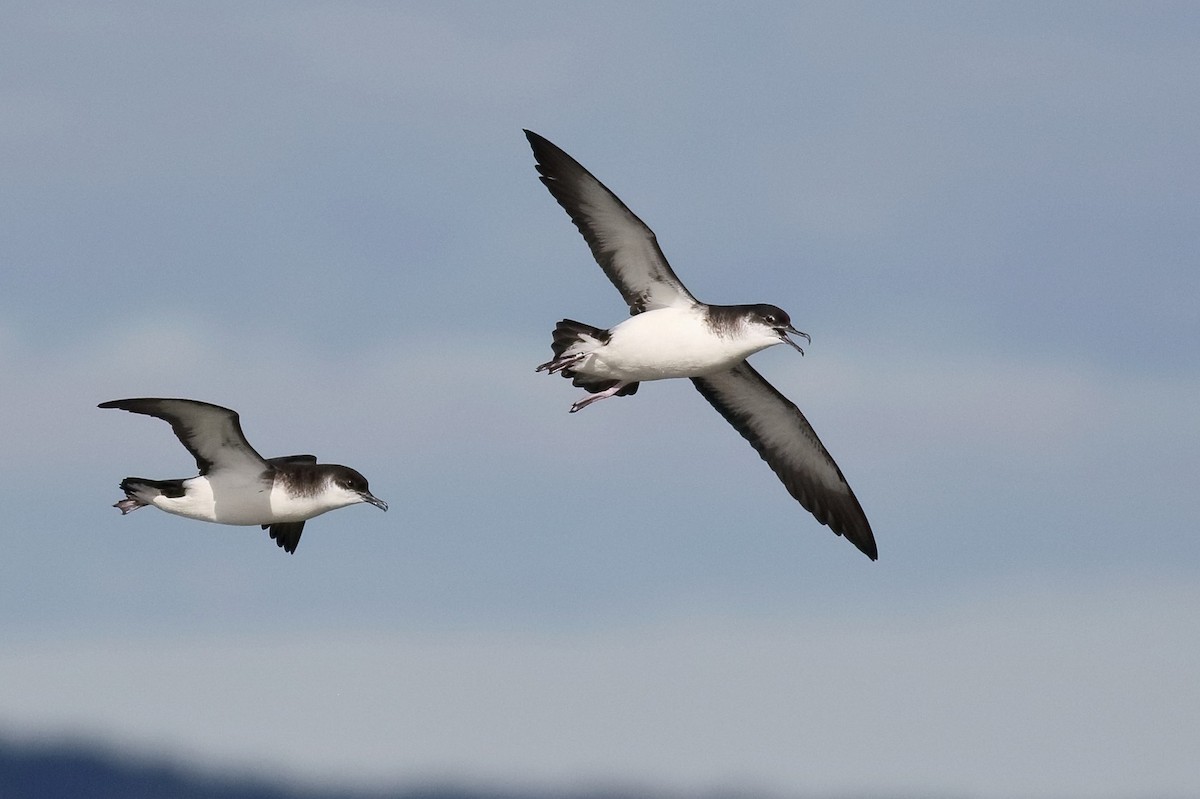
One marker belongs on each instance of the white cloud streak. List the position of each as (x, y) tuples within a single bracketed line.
[(1000, 205), (1042, 693)]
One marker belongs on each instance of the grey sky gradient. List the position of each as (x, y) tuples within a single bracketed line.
[(985, 215)]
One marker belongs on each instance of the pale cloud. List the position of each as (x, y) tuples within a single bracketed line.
[(389, 396), (971, 470), (467, 396), (987, 222), (1041, 692)]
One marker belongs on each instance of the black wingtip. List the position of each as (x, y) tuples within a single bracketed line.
[(856, 531), (543, 149), (130, 404)]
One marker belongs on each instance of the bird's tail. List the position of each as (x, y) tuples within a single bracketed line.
[(572, 342), (140, 492)]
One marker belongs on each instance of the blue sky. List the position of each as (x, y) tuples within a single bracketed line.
[(326, 217)]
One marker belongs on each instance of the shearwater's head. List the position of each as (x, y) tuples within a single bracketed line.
[(770, 325), (344, 486)]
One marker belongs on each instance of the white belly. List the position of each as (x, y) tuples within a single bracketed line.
[(227, 502), (665, 343)]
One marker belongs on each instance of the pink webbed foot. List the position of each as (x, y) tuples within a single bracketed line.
[(590, 398), (558, 364), (128, 505)]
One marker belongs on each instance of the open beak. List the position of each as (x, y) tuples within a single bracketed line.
[(367, 496), (783, 331)]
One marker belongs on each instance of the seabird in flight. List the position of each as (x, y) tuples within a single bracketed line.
[(236, 485), (672, 334)]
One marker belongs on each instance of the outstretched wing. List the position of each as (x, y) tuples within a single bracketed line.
[(621, 243), (211, 433), (292, 459), (777, 429)]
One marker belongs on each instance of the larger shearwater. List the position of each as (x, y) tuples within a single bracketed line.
[(672, 334)]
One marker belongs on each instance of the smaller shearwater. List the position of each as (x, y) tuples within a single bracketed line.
[(672, 334), (236, 485)]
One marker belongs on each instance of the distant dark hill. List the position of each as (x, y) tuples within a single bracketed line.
[(76, 770), (69, 770)]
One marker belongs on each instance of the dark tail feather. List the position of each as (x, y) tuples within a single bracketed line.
[(568, 332), (570, 344), (141, 485), (141, 491)]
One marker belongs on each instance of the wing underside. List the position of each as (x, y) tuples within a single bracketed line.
[(782, 436), (622, 244), (212, 434)]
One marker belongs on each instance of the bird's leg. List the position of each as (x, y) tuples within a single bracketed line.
[(590, 398)]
